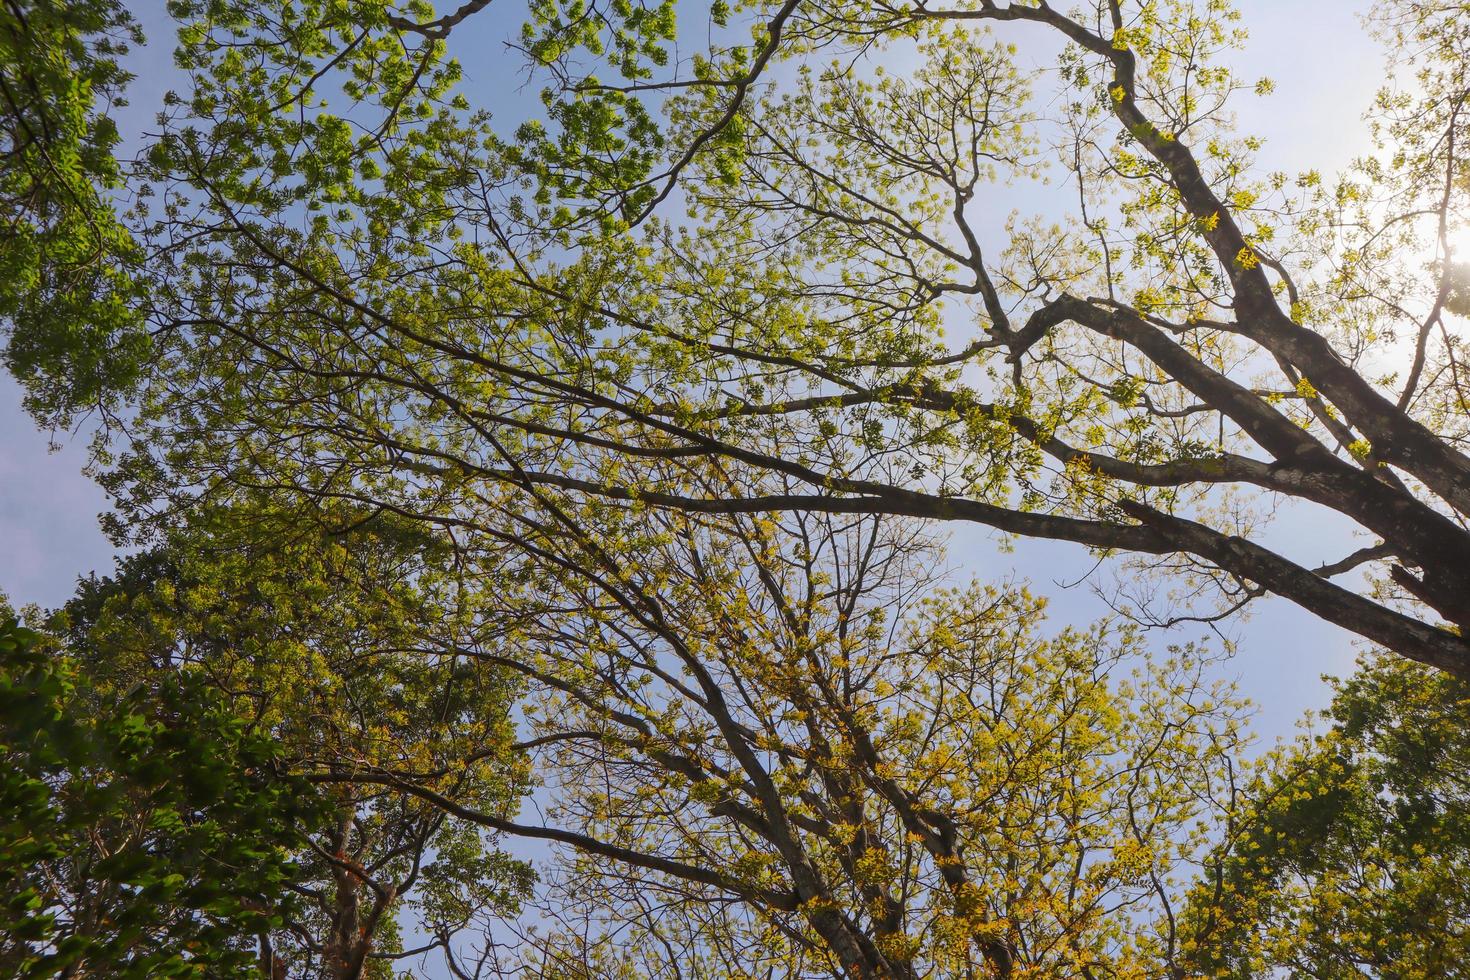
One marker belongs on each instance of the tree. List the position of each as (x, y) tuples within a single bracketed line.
[(144, 833), (774, 747), (598, 450), (73, 331), (308, 627), (1349, 856), (394, 304)]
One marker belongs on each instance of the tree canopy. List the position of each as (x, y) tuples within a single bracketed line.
[(1351, 858), (595, 455), (190, 728), (143, 833), (894, 779), (780, 254), (76, 339)]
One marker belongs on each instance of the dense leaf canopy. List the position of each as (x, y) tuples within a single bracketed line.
[(143, 833), (1352, 857)]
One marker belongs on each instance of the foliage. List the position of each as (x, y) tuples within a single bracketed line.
[(778, 748), (618, 412), (143, 833), (69, 308), (311, 630), (360, 289), (1352, 855)]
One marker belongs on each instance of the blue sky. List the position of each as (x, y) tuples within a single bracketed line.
[(1326, 70)]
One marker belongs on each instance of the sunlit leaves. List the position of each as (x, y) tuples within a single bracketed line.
[(68, 305)]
